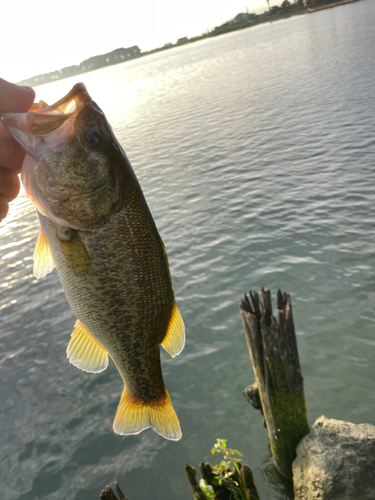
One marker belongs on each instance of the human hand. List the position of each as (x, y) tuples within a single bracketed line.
[(16, 99)]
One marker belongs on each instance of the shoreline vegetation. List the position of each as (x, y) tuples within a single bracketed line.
[(241, 21), (329, 5)]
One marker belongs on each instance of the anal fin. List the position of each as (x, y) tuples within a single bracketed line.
[(43, 260), (85, 352), (174, 340), (133, 416)]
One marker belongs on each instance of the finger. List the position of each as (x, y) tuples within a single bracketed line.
[(3, 208), (9, 184), (11, 153), (15, 98)]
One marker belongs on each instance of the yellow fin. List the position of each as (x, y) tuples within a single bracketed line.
[(174, 340), (133, 416), (74, 251), (43, 260), (85, 352)]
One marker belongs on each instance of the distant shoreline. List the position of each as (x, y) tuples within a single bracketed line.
[(328, 6), (122, 55)]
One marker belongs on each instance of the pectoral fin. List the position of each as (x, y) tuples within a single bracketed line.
[(43, 260), (174, 340), (85, 352), (133, 416), (74, 252)]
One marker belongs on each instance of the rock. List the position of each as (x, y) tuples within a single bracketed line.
[(335, 461)]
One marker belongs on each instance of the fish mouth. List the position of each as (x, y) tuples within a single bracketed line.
[(69, 104), (42, 119), (44, 128), (33, 129)]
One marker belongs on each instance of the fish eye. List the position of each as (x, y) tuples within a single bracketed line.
[(92, 138)]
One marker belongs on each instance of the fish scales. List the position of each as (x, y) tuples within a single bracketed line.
[(115, 314), (97, 230)]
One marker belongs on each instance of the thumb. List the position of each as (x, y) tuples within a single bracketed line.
[(14, 98)]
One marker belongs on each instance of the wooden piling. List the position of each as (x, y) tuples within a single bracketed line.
[(108, 493), (191, 473), (273, 352)]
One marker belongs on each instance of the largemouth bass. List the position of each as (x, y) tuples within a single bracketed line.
[(97, 230)]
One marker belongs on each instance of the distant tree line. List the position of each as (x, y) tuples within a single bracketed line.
[(319, 3), (287, 7), (95, 62), (244, 20)]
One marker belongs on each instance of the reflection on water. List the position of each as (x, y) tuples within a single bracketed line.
[(282, 486), (255, 151), (16, 233)]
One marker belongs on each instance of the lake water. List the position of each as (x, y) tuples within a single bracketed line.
[(256, 153)]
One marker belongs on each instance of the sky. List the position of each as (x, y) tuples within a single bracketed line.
[(43, 35)]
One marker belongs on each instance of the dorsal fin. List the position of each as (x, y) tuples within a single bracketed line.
[(85, 352), (43, 260), (174, 339)]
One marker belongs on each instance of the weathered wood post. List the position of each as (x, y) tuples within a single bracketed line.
[(278, 389), (191, 473), (108, 493)]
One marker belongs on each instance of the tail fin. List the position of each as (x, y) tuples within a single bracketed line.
[(133, 416)]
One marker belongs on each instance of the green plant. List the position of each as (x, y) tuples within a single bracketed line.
[(207, 489), (227, 472)]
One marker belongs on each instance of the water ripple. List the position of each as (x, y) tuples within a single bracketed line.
[(258, 168)]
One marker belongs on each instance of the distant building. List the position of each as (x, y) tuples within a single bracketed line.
[(182, 40), (114, 57)]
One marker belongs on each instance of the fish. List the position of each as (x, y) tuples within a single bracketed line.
[(98, 232)]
